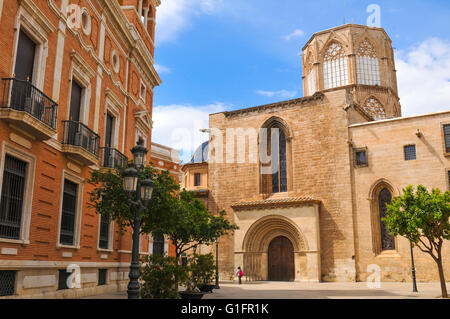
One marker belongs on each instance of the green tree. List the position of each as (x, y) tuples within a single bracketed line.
[(108, 197), (189, 224), (423, 218)]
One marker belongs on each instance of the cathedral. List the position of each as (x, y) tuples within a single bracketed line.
[(307, 180)]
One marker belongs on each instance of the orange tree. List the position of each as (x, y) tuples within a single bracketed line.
[(423, 218)]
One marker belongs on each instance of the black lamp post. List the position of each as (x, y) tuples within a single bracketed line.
[(142, 191), (413, 269), (217, 264)]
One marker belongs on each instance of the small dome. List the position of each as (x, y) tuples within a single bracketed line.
[(200, 154)]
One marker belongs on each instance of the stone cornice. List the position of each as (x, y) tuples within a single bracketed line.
[(275, 203), (316, 97)]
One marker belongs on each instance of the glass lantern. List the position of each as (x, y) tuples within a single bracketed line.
[(147, 186), (139, 152), (130, 179)]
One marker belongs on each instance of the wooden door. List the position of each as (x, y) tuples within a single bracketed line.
[(281, 260), (75, 102)]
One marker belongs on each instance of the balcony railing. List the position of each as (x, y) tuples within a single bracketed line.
[(78, 134), (25, 97), (112, 158)]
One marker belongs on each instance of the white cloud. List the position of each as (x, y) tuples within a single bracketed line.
[(284, 94), (161, 69), (424, 77), (178, 126), (174, 16), (295, 34)]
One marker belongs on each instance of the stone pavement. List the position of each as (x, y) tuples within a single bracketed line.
[(300, 290)]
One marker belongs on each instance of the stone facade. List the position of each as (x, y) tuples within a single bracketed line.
[(328, 209), (107, 48)]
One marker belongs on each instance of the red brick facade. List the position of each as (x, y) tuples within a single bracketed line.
[(109, 54)]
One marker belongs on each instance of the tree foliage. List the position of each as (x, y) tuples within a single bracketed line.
[(423, 218)]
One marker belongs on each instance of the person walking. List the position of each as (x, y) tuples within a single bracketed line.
[(239, 273)]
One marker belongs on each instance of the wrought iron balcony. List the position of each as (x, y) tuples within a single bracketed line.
[(80, 142), (112, 158), (28, 108)]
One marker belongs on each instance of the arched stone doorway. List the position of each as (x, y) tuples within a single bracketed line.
[(281, 265)]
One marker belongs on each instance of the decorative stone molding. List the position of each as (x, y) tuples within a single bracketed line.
[(275, 203)]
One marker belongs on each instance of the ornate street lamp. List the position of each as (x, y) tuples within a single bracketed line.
[(142, 191), (413, 269), (217, 264)]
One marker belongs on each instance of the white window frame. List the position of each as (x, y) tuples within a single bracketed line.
[(79, 209), (83, 75), (113, 106), (36, 25), (110, 236), (368, 70), (30, 159)]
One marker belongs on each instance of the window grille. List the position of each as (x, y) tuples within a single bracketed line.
[(12, 197), (367, 65), (335, 67), (7, 282), (102, 277), (104, 232), (410, 152), (68, 213), (447, 138), (361, 159)]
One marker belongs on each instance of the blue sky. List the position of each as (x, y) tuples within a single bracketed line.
[(216, 55)]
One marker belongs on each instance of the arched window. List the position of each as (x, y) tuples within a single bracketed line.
[(375, 109), (367, 65), (335, 67), (387, 240), (274, 167)]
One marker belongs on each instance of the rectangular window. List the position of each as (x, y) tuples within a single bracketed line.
[(12, 197), (158, 244), (410, 152), (361, 159), (62, 279), (7, 282), (102, 277), (68, 213), (104, 232), (447, 138), (197, 179)]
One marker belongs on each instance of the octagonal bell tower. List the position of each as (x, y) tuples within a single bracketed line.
[(359, 59)]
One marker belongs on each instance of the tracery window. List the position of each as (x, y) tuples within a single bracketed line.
[(335, 67), (387, 240), (311, 76), (374, 108), (367, 65), (279, 175)]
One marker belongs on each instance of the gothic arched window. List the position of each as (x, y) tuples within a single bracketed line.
[(374, 108), (387, 240), (335, 67), (273, 155), (367, 65)]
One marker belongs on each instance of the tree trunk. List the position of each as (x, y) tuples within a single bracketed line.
[(441, 277)]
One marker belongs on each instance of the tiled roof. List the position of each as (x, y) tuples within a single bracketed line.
[(281, 202)]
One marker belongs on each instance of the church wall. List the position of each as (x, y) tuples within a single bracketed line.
[(320, 169), (385, 141)]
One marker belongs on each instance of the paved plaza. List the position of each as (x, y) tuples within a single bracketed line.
[(297, 290)]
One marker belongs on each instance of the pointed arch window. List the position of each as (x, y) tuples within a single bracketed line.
[(311, 76), (367, 65), (387, 240), (335, 66), (375, 109), (274, 168)]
